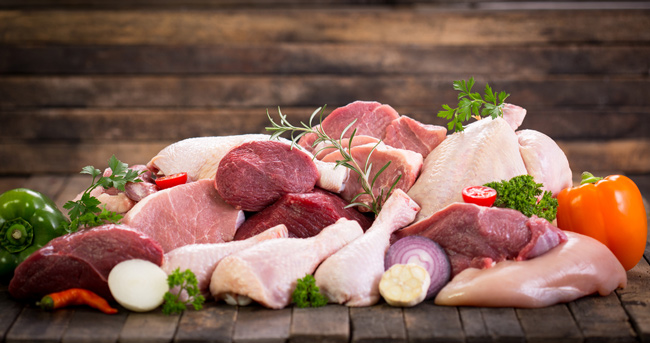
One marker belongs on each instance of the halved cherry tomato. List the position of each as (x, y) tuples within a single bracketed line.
[(479, 195), (171, 180)]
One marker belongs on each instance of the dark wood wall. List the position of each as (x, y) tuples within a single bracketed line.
[(81, 80)]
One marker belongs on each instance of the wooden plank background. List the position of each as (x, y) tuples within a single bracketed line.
[(81, 80)]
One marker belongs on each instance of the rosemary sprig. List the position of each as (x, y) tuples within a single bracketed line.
[(365, 180), (470, 103)]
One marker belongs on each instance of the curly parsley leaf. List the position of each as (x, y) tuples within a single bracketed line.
[(472, 104), (307, 293), (185, 281), (522, 193)]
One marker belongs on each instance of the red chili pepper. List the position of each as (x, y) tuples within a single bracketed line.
[(75, 296), (479, 195), (171, 180)]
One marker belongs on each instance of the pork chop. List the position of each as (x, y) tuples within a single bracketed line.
[(185, 214)]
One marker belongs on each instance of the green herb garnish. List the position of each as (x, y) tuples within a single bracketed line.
[(85, 212), (307, 293), (470, 104), (185, 281), (366, 181), (521, 193)]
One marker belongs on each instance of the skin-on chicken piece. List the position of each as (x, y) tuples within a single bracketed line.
[(268, 272), (486, 151), (352, 275), (202, 259), (545, 161)]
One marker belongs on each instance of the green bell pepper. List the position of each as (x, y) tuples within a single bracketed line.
[(28, 221)]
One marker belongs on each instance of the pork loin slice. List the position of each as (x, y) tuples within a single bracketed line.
[(409, 134), (545, 161), (256, 174), (185, 214), (305, 215), (476, 236), (578, 267), (81, 260), (403, 162), (486, 151)]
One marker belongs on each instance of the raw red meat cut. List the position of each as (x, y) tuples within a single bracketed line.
[(304, 214), (185, 214), (402, 162), (256, 174), (371, 117), (476, 236), (409, 134), (82, 260)]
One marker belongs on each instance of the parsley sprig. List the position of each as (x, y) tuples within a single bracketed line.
[(86, 212), (470, 104), (366, 181), (186, 281), (307, 293), (522, 193)]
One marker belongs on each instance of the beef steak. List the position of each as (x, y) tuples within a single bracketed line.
[(256, 174), (81, 260), (304, 214)]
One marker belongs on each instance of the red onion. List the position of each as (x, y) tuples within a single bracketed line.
[(425, 253)]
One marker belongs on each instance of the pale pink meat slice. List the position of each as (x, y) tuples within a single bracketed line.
[(268, 272), (185, 214), (486, 151), (407, 133), (323, 149), (578, 267), (545, 161), (202, 259), (402, 162), (351, 276)]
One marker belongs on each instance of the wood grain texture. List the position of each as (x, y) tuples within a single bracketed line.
[(214, 323), (392, 26), (34, 324), (329, 324), (324, 58), (10, 310), (596, 315), (308, 91), (84, 125), (377, 323), (428, 322), (550, 324), (91, 326), (149, 327), (635, 298), (257, 324)]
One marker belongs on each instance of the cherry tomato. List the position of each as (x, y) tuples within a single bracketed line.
[(479, 195), (171, 180)]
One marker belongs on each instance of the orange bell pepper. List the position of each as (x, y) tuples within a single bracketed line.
[(610, 210)]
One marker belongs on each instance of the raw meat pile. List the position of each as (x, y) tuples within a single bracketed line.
[(256, 215)]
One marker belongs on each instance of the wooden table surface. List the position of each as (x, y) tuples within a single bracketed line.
[(623, 316)]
